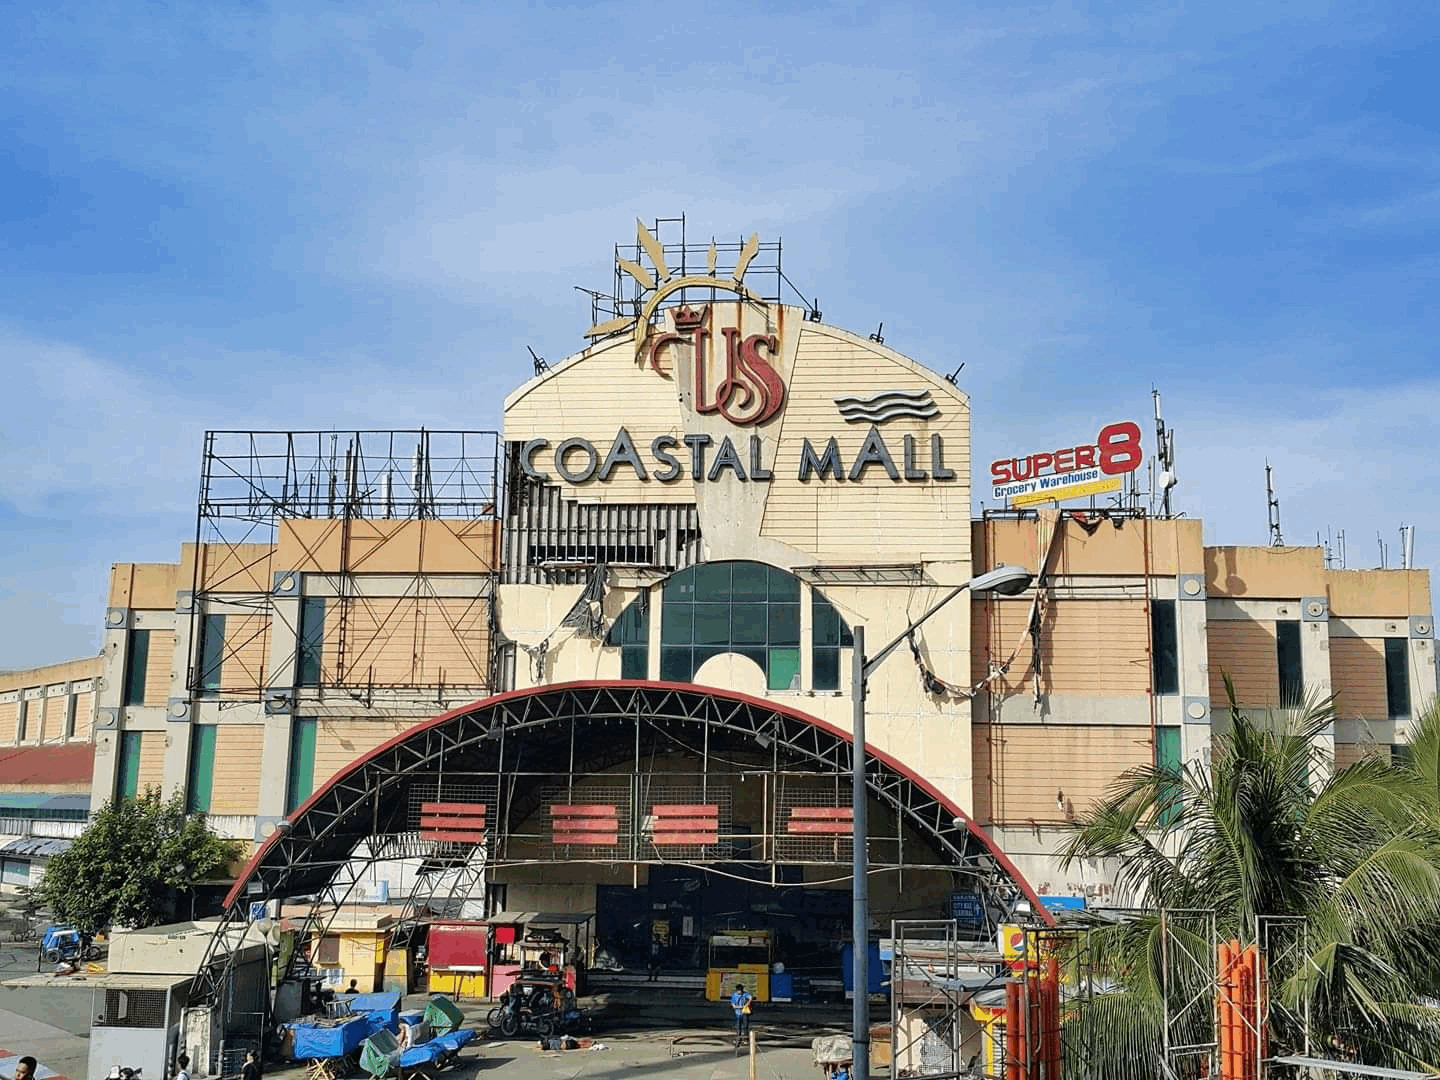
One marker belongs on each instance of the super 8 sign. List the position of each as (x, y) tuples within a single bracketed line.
[(1115, 451)]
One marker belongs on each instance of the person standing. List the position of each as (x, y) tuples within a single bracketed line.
[(251, 1069), (182, 1072), (654, 965), (740, 1001)]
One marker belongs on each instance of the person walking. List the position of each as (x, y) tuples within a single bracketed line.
[(654, 964), (740, 1001)]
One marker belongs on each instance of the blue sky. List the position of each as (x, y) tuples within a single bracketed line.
[(216, 216)]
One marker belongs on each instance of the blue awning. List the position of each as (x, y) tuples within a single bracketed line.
[(42, 800)]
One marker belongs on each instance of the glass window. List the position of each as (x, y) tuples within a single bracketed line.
[(136, 664), (202, 768), (830, 635), (22, 719), (1287, 655), (212, 651), (1167, 757), (302, 762), (677, 622), (72, 708), (631, 633), (127, 779), (1164, 647), (1397, 678), (312, 641)]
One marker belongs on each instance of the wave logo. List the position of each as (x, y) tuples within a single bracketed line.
[(888, 405)]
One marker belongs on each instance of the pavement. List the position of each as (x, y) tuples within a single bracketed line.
[(643, 1033)]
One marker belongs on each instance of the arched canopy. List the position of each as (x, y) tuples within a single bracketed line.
[(571, 727)]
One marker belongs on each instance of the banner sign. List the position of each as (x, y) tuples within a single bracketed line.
[(1071, 472)]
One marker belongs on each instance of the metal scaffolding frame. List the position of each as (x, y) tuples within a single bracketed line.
[(252, 481)]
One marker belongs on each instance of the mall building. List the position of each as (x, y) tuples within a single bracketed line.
[(704, 503)]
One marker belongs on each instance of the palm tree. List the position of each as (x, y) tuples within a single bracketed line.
[(1343, 873)]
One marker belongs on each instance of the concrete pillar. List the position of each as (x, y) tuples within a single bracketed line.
[(1315, 666), (1196, 708), (1422, 664), (280, 700), (180, 707), (115, 652)]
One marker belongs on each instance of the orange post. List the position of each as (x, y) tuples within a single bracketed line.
[(1248, 1013), (1037, 1027), (1052, 971), (1223, 1010), (1012, 1030)]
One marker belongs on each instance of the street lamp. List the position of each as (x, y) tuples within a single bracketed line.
[(1004, 581)]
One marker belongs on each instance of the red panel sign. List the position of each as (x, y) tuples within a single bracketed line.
[(585, 823), (822, 820), (685, 824)]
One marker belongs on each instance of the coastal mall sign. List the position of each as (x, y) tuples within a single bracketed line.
[(1071, 472), (731, 375)]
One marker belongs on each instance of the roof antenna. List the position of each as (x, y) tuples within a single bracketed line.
[(540, 365), (1165, 451), (877, 335), (955, 374), (1276, 540)]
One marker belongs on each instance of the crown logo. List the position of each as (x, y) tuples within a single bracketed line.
[(688, 319)]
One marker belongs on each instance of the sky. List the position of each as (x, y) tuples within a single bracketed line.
[(311, 215)]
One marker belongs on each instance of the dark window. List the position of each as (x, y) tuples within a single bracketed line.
[(302, 762), (1401, 754), (631, 634), (136, 664), (1287, 654), (72, 706), (1397, 678), (829, 635), (1164, 647), (22, 719), (202, 768), (212, 651), (312, 641), (127, 780), (731, 607)]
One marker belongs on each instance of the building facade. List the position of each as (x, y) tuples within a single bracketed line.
[(716, 492)]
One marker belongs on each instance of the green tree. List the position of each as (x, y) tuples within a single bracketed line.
[(1351, 864), (131, 862)]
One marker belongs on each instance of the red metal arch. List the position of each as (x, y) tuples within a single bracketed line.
[(342, 839)]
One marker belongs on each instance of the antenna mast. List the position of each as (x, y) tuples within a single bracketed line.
[(1165, 452), (1273, 504)]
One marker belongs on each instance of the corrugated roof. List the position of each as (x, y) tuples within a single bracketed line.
[(35, 845), (66, 763)]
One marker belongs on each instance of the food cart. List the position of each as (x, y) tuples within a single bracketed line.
[(518, 939), (739, 956)]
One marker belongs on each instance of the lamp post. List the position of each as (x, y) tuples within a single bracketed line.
[(1005, 581)]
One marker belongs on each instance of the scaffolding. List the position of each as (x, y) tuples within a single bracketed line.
[(363, 516)]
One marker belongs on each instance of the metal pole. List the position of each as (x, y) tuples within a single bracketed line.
[(860, 872)]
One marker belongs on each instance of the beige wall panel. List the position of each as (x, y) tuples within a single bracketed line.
[(1264, 573), (146, 586), (89, 667), (159, 668), (1384, 593), (53, 718), (565, 403), (247, 645), (1357, 675), (9, 711), (1025, 766), (1175, 546), (1350, 753), (875, 518), (84, 715), (380, 546), (236, 788), (402, 640), (1097, 647), (1246, 652), (236, 568), (339, 742), (152, 760)]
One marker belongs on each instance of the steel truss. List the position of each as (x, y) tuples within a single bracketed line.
[(365, 486), (556, 743)]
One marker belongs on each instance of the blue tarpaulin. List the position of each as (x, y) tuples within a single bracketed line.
[(383, 1009), (333, 1040)]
